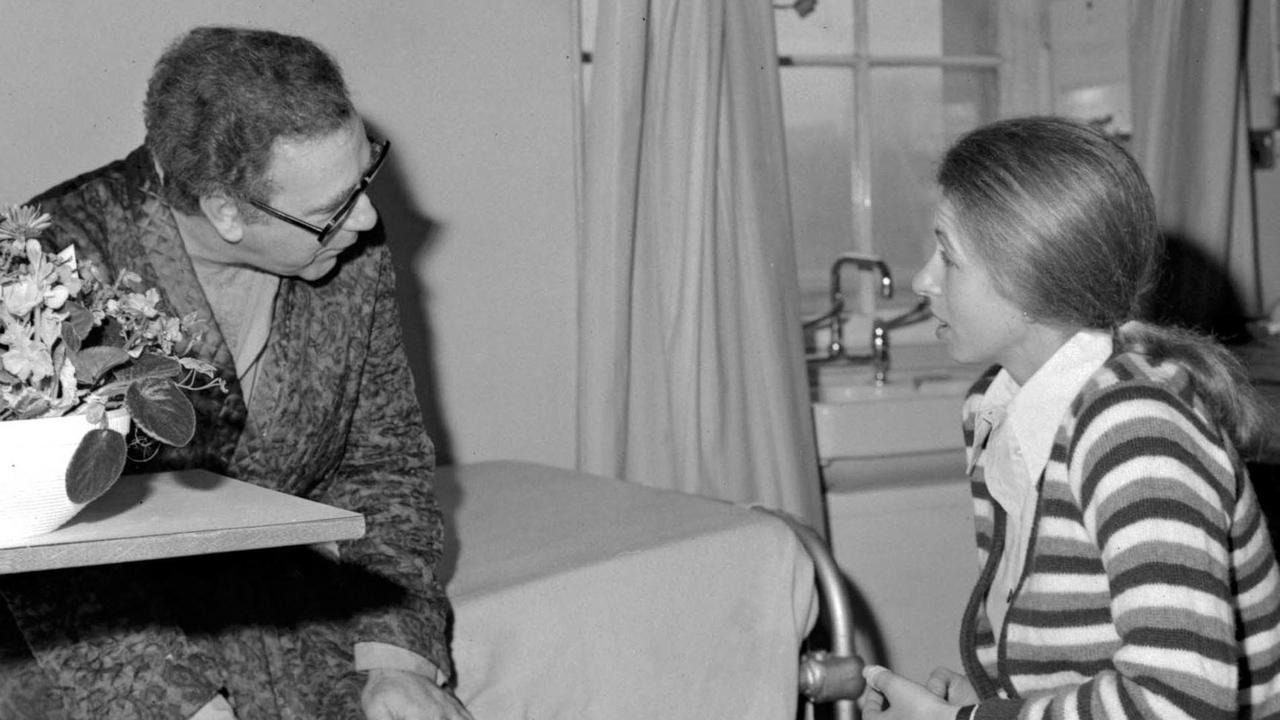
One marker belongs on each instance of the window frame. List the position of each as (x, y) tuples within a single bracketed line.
[(1020, 66)]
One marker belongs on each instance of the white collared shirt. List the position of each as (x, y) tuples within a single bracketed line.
[(1024, 422)]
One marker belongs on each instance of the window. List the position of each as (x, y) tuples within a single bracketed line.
[(873, 90)]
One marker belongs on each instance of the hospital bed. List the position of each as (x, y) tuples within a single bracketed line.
[(577, 596)]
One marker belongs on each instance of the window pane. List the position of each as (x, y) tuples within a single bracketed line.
[(1091, 63), (904, 27), (817, 103), (828, 29), (970, 97), (969, 27), (916, 113), (932, 27)]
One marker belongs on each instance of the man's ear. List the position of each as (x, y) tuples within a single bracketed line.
[(223, 213)]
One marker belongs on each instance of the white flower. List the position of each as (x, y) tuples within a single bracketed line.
[(26, 359), (143, 303), (56, 296), (49, 328), (22, 296), (22, 222), (50, 304)]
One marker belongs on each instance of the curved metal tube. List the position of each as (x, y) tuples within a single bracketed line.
[(834, 312), (837, 675), (865, 262), (834, 317), (919, 312)]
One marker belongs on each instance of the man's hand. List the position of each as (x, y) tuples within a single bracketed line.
[(401, 695)]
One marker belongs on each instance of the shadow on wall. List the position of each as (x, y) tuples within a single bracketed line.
[(411, 235), (450, 495), (1195, 292)]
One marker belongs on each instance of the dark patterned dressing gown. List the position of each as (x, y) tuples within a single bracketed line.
[(334, 419)]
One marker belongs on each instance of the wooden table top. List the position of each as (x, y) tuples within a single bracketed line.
[(193, 512)]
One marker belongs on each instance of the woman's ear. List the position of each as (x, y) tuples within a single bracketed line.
[(224, 214)]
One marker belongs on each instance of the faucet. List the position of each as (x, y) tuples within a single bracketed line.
[(835, 316), (880, 336)]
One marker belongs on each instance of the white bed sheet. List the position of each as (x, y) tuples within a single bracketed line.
[(580, 597)]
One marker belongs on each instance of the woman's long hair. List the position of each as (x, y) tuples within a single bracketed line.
[(1063, 219)]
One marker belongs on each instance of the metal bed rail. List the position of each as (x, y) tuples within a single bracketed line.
[(833, 675)]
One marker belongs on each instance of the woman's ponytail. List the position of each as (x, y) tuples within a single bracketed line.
[(1219, 376)]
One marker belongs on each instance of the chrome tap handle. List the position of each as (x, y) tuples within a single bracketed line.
[(835, 346), (880, 351)]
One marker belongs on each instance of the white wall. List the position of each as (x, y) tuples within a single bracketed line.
[(908, 552), (477, 98), (1267, 193)]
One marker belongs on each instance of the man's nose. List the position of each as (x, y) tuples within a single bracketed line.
[(363, 216)]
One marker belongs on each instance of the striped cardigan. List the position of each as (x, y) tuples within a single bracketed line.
[(1150, 588)]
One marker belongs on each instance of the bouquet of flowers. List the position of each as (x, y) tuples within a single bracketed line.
[(73, 343)]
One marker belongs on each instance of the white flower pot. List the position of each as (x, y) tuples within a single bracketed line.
[(33, 466)]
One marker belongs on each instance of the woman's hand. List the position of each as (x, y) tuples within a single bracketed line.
[(401, 695), (952, 687), (892, 697)]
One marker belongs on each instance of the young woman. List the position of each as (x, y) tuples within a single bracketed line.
[(1126, 569)]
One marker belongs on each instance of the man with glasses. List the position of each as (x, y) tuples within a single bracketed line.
[(246, 207)]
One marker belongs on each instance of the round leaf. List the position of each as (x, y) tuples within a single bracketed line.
[(78, 324), (161, 410), (150, 365), (96, 465), (94, 362)]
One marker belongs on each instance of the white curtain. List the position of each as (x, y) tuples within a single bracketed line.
[(1190, 135), (690, 353)]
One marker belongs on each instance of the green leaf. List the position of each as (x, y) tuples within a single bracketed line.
[(149, 365), (59, 356), (96, 465), (161, 410), (94, 362), (109, 334), (77, 326), (31, 404)]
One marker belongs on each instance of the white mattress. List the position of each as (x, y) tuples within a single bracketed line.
[(580, 597)]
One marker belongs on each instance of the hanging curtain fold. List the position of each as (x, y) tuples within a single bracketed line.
[(1190, 136), (691, 369)]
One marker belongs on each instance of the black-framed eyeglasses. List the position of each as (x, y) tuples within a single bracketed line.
[(380, 151)]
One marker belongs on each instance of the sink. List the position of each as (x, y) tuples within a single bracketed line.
[(911, 388), (887, 423), (905, 430)]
